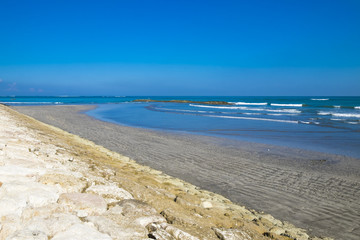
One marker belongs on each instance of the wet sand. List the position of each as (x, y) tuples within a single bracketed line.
[(316, 191)]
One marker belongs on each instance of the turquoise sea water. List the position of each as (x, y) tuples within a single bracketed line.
[(327, 124)]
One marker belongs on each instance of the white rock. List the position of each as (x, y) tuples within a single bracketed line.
[(110, 191), (61, 222), (144, 221), (10, 224), (82, 213), (159, 233), (28, 235), (11, 206), (64, 179), (175, 233), (178, 234), (91, 203), (53, 224), (136, 212), (81, 232), (30, 213), (41, 196), (13, 172), (231, 234), (124, 230), (206, 204), (31, 193)]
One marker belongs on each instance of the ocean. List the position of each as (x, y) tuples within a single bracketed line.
[(325, 124)]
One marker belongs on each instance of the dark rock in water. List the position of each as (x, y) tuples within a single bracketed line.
[(185, 101)]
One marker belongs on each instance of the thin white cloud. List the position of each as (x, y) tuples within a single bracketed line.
[(36, 90), (12, 87)]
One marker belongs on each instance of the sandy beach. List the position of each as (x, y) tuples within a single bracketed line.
[(315, 191), (55, 185)]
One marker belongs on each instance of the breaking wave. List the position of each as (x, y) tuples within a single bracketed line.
[(32, 103), (246, 103), (250, 118), (354, 115), (319, 99), (219, 107), (285, 105), (249, 109)]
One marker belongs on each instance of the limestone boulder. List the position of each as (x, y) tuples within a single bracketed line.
[(28, 235), (42, 196), (118, 231), (81, 231), (30, 213), (9, 224), (53, 224), (91, 203), (110, 193), (11, 206), (166, 231), (15, 196), (68, 182), (9, 173), (135, 211), (231, 234), (206, 204)]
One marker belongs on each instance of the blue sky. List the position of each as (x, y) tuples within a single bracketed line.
[(180, 47)]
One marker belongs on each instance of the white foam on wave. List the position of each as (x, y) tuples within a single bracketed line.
[(354, 115), (249, 109), (250, 118), (346, 115), (283, 110), (281, 114), (358, 107), (183, 110), (285, 105), (246, 103), (251, 113), (32, 102), (306, 122), (219, 107), (353, 122), (337, 106), (319, 99), (324, 113)]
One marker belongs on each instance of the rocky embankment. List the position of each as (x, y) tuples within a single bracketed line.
[(55, 185)]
